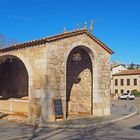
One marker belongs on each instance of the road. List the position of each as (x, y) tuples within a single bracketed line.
[(124, 130)]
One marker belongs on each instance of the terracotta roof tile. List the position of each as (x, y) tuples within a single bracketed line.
[(128, 72), (56, 38)]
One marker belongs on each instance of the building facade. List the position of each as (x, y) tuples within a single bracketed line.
[(125, 81), (73, 66), (117, 69)]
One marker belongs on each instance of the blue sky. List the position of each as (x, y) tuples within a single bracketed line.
[(117, 21)]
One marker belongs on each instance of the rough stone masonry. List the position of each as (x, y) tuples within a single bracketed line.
[(73, 66)]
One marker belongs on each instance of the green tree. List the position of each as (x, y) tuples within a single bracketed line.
[(132, 66), (137, 67)]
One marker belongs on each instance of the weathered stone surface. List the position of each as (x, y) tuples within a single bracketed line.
[(80, 98), (46, 65)]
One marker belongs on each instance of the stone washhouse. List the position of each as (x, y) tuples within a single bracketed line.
[(72, 66)]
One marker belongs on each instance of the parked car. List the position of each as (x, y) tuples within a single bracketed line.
[(126, 96)]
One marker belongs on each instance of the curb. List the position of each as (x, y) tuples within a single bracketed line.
[(89, 125), (120, 118)]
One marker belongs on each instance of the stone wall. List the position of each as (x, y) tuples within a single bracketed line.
[(79, 82), (57, 55), (34, 59), (47, 69)]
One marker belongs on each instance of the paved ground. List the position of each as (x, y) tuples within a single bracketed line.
[(124, 130), (119, 108)]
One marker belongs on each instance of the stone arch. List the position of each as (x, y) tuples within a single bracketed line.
[(29, 70), (91, 56), (15, 77), (95, 69)]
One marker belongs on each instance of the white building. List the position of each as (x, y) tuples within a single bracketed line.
[(117, 69)]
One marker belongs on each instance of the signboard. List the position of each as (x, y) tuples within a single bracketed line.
[(58, 110)]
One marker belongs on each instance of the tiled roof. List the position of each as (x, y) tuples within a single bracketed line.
[(56, 38), (128, 72)]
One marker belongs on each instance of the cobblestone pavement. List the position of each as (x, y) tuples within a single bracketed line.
[(124, 130)]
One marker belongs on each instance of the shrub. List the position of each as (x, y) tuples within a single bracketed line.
[(136, 93)]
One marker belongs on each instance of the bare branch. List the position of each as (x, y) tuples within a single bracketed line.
[(5, 41)]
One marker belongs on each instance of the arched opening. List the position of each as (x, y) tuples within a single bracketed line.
[(13, 77), (79, 84)]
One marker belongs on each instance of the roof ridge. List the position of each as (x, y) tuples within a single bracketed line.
[(55, 38), (42, 38), (128, 72)]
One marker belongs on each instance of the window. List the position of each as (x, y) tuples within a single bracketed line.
[(128, 82), (126, 94), (128, 91), (121, 90), (121, 82), (135, 82), (116, 91), (116, 82)]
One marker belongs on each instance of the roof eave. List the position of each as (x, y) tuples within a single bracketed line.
[(56, 38)]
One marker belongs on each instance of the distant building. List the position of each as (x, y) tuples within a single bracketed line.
[(118, 68), (125, 81)]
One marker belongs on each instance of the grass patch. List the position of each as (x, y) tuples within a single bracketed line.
[(136, 93)]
